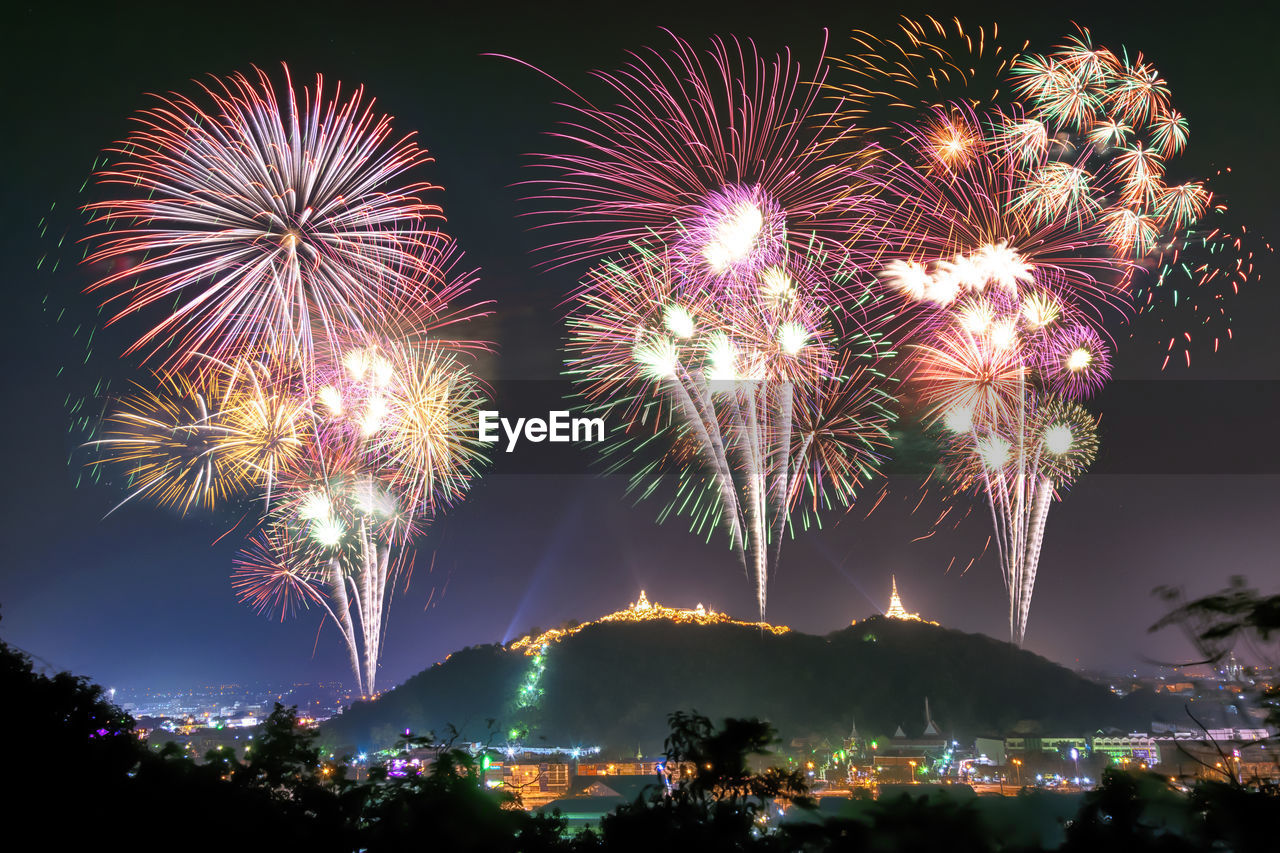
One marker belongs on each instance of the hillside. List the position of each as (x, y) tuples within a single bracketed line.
[(612, 684)]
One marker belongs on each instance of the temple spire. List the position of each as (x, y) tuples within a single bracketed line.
[(929, 727), (896, 610)]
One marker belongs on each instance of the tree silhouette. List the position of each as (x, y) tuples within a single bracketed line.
[(80, 775), (716, 802), (1216, 623)]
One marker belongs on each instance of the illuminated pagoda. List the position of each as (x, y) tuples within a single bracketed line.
[(896, 610)]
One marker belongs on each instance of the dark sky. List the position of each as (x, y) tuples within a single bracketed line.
[(1187, 490)]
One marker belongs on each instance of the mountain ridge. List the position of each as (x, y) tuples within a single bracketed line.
[(613, 683)]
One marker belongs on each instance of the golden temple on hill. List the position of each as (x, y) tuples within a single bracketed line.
[(642, 610), (896, 610)]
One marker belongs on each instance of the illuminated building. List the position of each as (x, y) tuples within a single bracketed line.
[(1056, 744), (901, 766), (854, 743), (896, 610), (1231, 670), (1225, 734), (990, 750), (642, 610), (1245, 763), (1130, 749), (535, 783), (623, 768)]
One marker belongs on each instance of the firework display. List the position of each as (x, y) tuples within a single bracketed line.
[(297, 363), (991, 211), (768, 263), (1002, 375), (743, 391), (718, 155), (1019, 230), (922, 65), (264, 222), (726, 331), (1110, 115)]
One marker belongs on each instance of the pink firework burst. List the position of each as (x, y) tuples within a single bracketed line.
[(707, 151), (250, 220), (1075, 361)]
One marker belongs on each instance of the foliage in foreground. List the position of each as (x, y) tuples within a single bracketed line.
[(84, 776)]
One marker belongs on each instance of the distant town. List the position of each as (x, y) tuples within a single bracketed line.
[(229, 706), (1225, 738)]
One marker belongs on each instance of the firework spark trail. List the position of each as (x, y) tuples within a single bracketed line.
[(1018, 225), (349, 487), (272, 223), (731, 218), (306, 278), (942, 214), (764, 417), (703, 152), (1000, 373), (924, 65), (1095, 131)]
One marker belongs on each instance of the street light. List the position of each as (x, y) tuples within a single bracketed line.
[(1017, 763), (913, 772), (1075, 756)]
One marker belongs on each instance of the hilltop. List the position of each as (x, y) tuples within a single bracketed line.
[(612, 683)]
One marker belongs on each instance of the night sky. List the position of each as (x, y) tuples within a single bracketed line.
[(1187, 490)]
